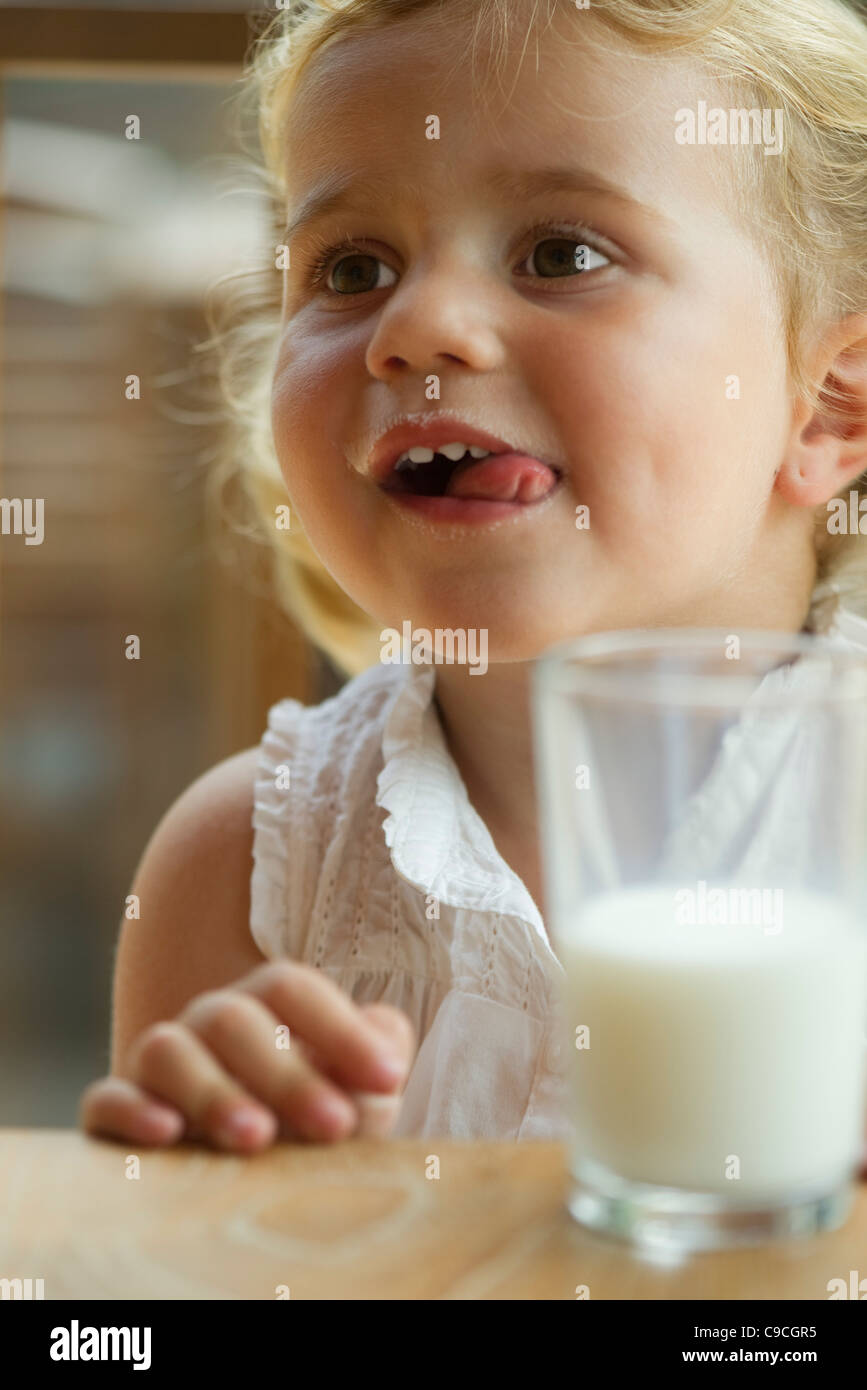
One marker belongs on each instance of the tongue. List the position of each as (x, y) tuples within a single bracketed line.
[(501, 478)]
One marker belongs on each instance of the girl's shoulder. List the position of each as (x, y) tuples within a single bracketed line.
[(192, 887)]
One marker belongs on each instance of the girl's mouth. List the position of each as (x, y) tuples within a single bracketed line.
[(498, 481)]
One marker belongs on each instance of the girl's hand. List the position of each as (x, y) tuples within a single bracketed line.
[(216, 1072)]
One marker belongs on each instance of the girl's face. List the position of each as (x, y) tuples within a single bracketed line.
[(655, 376)]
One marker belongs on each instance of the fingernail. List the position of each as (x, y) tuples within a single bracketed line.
[(390, 1068), (166, 1122), (377, 1113), (332, 1112), (242, 1126)]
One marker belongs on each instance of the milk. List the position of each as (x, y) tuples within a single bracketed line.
[(717, 1045)]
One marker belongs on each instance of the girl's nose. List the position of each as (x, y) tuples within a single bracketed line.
[(433, 320)]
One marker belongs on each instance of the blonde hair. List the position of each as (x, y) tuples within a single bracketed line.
[(807, 57)]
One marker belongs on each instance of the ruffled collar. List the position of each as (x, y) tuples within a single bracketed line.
[(437, 840)]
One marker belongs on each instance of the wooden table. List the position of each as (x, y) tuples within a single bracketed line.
[(357, 1220)]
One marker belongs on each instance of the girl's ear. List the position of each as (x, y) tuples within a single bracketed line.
[(828, 447)]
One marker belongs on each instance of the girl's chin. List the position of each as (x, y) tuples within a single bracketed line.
[(449, 647)]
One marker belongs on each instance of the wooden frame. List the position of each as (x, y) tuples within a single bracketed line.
[(93, 35)]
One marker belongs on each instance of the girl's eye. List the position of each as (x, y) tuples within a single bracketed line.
[(564, 255), (356, 273)]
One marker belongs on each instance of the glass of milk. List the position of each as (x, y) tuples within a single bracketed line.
[(703, 809)]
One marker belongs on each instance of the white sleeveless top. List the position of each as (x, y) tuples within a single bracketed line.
[(373, 866)]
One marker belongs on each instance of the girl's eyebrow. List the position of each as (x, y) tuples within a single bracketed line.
[(531, 183), (339, 192)]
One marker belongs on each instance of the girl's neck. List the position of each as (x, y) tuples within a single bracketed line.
[(487, 726)]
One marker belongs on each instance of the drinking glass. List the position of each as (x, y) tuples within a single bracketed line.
[(702, 802)]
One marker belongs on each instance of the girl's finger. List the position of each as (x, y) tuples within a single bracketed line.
[(117, 1107), (172, 1063), (352, 1049), (243, 1034)]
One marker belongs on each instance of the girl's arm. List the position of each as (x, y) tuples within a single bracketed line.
[(199, 1012), (193, 885)]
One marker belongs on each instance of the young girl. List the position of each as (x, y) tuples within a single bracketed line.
[(562, 239)]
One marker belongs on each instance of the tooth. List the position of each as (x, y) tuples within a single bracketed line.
[(453, 451), (420, 454)]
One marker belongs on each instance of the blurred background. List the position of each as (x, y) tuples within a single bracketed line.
[(107, 248)]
